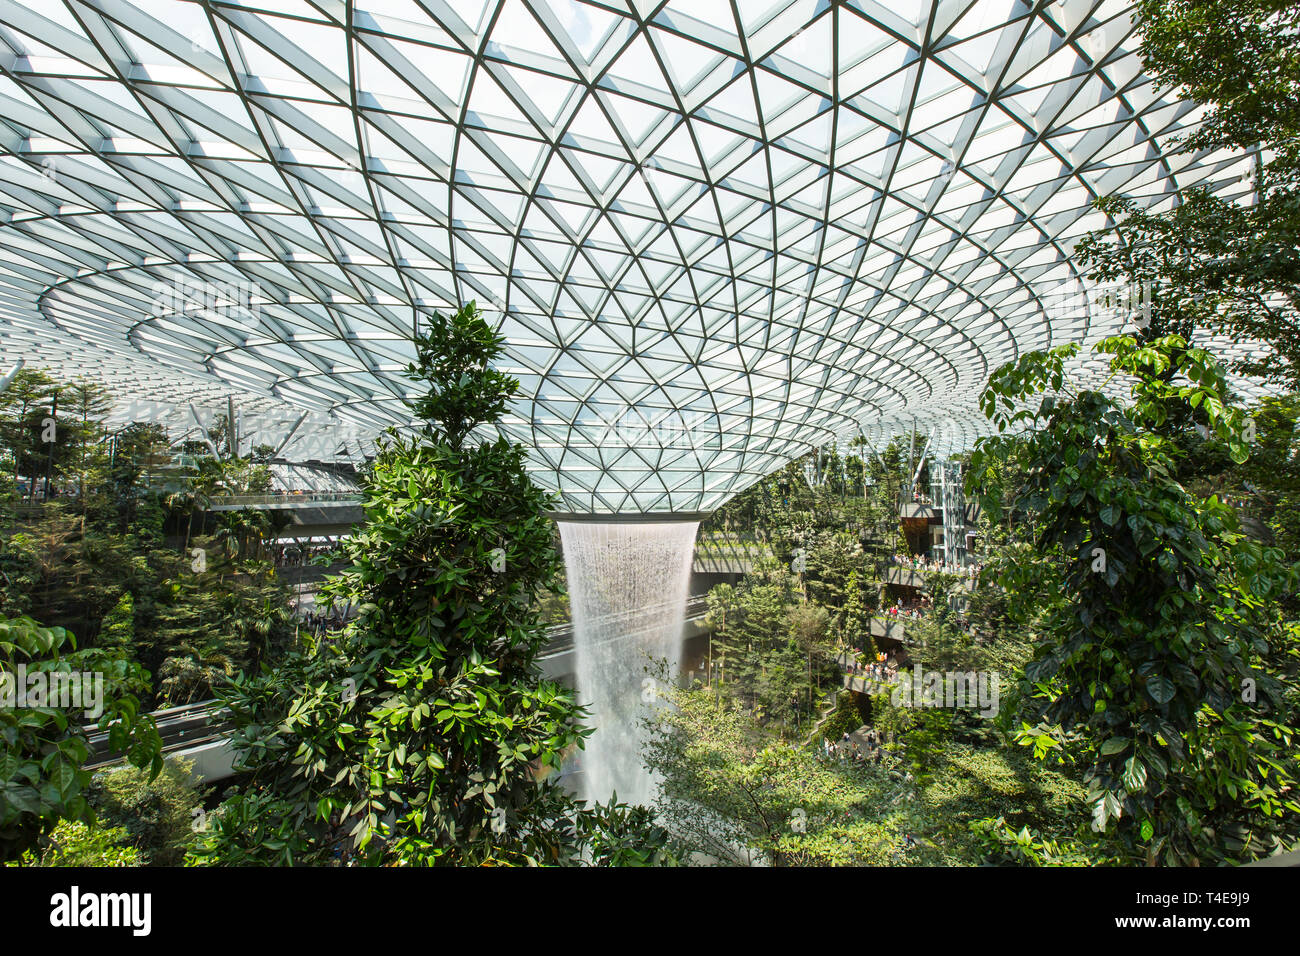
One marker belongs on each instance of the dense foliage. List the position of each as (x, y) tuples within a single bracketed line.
[(1137, 603), (1164, 668), (43, 778), (106, 547)]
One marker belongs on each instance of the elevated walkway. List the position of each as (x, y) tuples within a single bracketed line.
[(323, 514), (903, 576), (334, 521), (891, 628), (286, 502), (200, 732), (912, 510), (726, 555), (863, 683), (336, 514), (559, 659), (866, 685)]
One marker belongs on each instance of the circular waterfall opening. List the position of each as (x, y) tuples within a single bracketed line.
[(628, 585)]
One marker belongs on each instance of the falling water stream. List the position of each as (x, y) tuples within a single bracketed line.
[(628, 584)]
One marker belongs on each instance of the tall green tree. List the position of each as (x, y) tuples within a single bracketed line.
[(139, 450), (1212, 260), (855, 629), (1165, 669), (24, 406), (83, 408), (416, 738)]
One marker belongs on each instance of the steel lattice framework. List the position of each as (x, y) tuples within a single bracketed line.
[(716, 233)]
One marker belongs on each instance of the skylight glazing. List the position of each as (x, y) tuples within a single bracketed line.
[(715, 234)]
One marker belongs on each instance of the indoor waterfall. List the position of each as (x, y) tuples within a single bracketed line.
[(628, 583)]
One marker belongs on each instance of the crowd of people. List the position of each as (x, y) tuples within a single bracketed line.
[(913, 609), (296, 555), (881, 670), (849, 748), (919, 562), (321, 623), (923, 562)]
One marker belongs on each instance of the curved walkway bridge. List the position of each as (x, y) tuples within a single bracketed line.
[(200, 732)]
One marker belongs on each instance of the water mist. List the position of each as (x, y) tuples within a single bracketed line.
[(628, 584)]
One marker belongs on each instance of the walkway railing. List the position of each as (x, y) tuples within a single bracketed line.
[(180, 728), (867, 685), (284, 500), (624, 624), (727, 553), (191, 725)]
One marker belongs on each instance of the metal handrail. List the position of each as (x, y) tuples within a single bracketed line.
[(561, 635), (189, 725), (310, 497)]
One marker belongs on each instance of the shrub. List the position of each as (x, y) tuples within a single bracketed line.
[(155, 816), (74, 843)]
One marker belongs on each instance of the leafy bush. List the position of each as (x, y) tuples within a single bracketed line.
[(843, 720), (42, 774), (1164, 667), (1024, 847), (156, 815), (967, 784), (75, 843), (733, 792)]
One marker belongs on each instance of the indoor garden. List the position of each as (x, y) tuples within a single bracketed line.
[(600, 435)]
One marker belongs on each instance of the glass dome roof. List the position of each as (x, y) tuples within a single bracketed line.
[(716, 233)]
